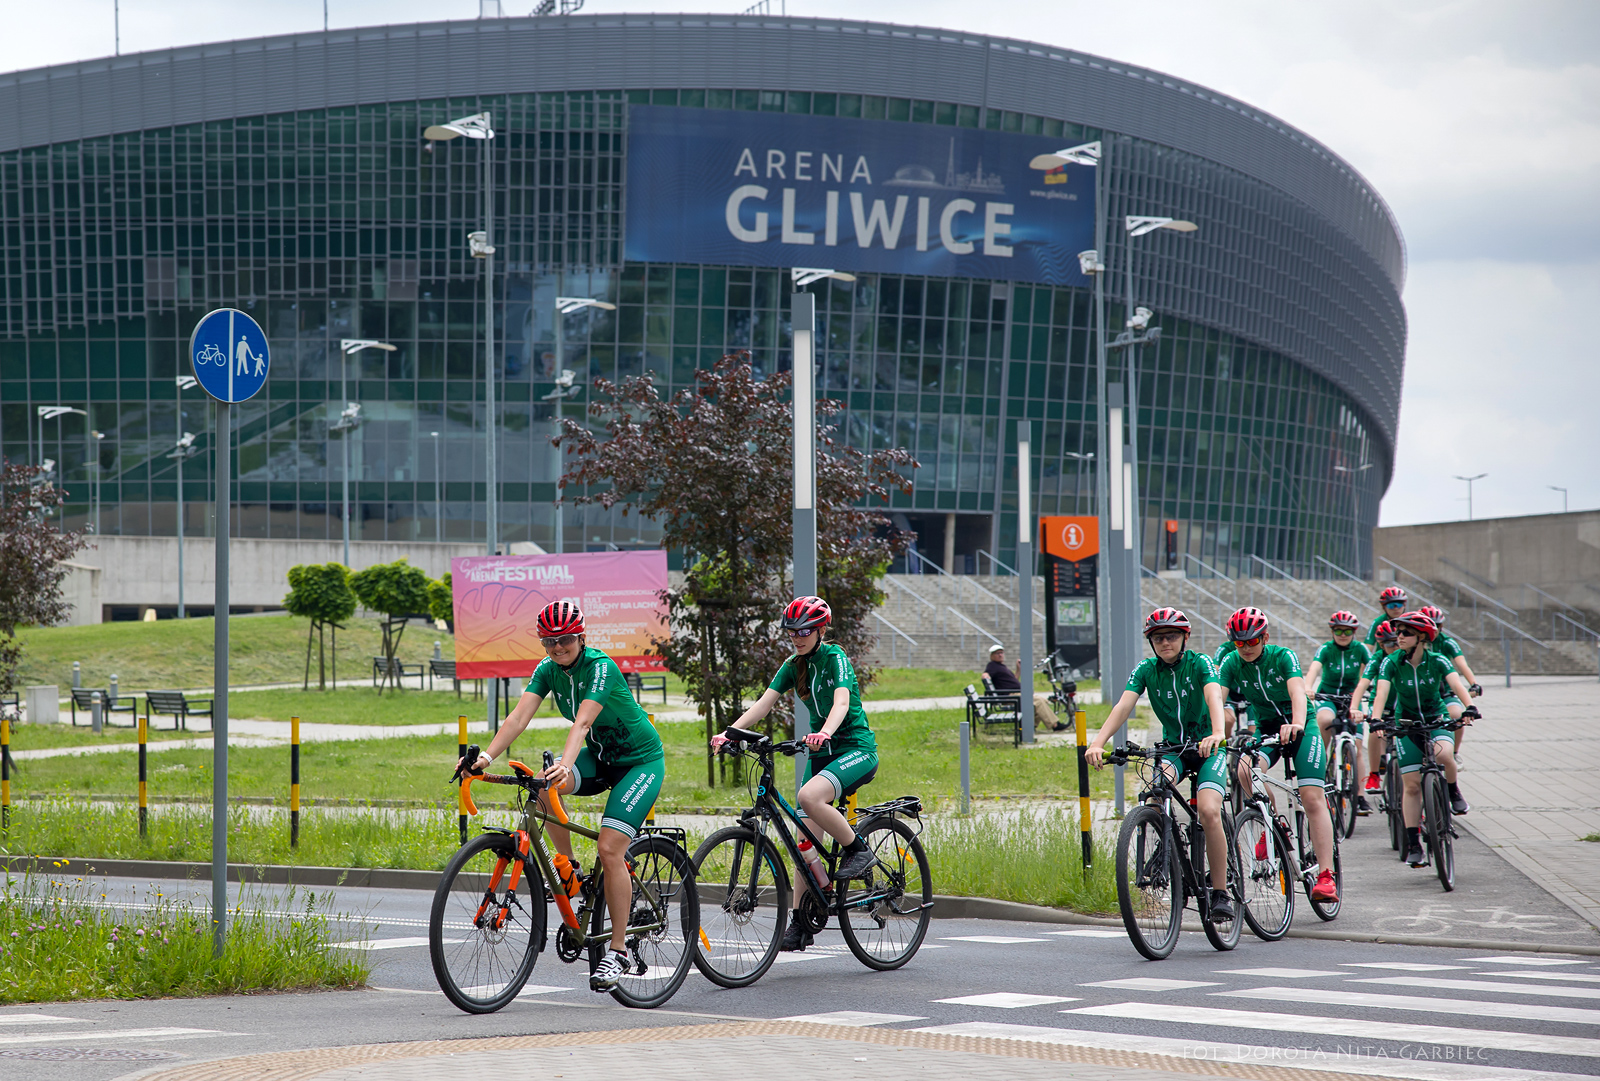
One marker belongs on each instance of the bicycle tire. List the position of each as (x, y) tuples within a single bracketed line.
[(1392, 799), (1436, 815), (665, 954), (1268, 903), (884, 917), (1329, 910), (1222, 936), (1349, 784), (1149, 882), (744, 893), (475, 974)]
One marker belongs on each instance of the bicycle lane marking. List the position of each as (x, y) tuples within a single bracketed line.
[(1461, 1007)]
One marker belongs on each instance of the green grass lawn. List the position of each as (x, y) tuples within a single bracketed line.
[(918, 751)]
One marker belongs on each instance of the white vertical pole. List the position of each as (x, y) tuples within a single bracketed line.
[(803, 321), (219, 705), (1025, 530)]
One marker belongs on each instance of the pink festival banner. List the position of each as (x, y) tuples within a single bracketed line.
[(498, 598)]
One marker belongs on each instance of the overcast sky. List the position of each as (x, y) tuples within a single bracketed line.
[(1478, 121)]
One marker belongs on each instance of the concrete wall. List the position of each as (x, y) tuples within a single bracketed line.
[(81, 588), (1559, 553), (143, 571)]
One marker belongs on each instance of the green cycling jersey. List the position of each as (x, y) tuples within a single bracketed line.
[(1418, 689), (828, 669), (1446, 646), (1264, 682), (622, 734), (1177, 694), (1341, 666)]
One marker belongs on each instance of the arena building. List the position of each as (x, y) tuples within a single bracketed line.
[(288, 177)]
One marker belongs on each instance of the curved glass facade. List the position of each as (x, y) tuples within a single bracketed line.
[(341, 223)]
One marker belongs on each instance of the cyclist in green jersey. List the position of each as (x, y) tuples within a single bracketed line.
[(1232, 712), (1335, 670), (1448, 648), (1275, 691), (611, 745), (1418, 679), (1393, 601), (1185, 695), (843, 754), (1361, 702)]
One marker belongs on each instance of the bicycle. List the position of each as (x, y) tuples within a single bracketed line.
[(1438, 827), (1344, 767), (1389, 793), (212, 355), (1276, 847), (1156, 872), (746, 882), (501, 931)]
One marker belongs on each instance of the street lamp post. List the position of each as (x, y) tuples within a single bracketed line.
[(438, 492), (1469, 480), (350, 420), (184, 448), (1077, 483), (1563, 491), (55, 412), (566, 387), (481, 244), (94, 481)]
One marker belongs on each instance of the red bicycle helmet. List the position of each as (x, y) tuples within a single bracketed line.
[(1392, 595), (1163, 619), (559, 618), (1341, 618), (1418, 622), (1385, 632), (807, 613), (1433, 612), (1247, 623)]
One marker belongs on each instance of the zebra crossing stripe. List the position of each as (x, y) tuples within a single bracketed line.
[(1461, 1007), (56, 1035), (1483, 985), (1342, 1026)]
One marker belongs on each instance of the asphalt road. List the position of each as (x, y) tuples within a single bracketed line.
[(1443, 1014)]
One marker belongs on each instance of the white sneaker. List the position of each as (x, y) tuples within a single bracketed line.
[(613, 966)]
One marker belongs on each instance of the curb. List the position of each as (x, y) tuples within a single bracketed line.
[(945, 907)]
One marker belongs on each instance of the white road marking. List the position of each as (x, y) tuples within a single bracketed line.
[(1402, 966), (996, 940), (1343, 1026), (1463, 1007), (1090, 933), (1542, 976), (1279, 973), (109, 1034), (1513, 959), (32, 1018), (1005, 1000), (1151, 983), (1195, 1050), (852, 1018), (388, 943), (791, 958), (1483, 985), (528, 989)]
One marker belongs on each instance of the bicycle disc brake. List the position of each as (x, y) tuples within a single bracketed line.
[(813, 916)]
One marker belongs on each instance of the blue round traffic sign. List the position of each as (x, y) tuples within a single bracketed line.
[(228, 350)]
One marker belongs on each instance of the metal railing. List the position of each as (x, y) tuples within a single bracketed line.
[(1274, 566), (1345, 593), (993, 563), (899, 633), (1145, 600), (1558, 602), (967, 580), (1281, 596), (1573, 624), (923, 600), (963, 631), (1480, 579), (1459, 586), (1522, 636), (1215, 573), (1341, 570), (1413, 576)]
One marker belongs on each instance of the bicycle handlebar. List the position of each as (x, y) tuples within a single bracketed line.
[(761, 744)]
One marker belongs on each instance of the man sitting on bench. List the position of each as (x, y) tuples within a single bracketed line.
[(1006, 681)]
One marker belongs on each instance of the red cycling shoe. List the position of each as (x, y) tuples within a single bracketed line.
[(1325, 890)]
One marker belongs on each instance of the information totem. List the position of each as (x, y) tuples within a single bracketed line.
[(1071, 548)]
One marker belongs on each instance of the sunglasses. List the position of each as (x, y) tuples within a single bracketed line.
[(1340, 632), (563, 642), (1166, 637), (1250, 642), (1395, 604), (1406, 633), (805, 633)]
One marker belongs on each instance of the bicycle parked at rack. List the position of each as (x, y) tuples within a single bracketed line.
[(745, 881), (1344, 767), (1161, 862), (489, 920), (1438, 825), (1063, 688), (1274, 847)]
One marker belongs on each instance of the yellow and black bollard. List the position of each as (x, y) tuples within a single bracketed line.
[(1081, 717), (144, 791), (461, 795), (294, 782), (5, 773)]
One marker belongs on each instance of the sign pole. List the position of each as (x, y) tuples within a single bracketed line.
[(803, 320), (1025, 529), (219, 707)]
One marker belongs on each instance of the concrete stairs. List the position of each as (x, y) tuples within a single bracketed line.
[(952, 620)]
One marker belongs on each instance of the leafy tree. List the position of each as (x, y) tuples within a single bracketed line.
[(399, 592), (441, 602), (713, 465), (322, 594), (32, 550)]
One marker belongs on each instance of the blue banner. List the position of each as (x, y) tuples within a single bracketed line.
[(775, 190)]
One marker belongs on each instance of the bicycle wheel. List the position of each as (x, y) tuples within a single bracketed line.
[(1222, 936), (1436, 820), (884, 916), (1268, 900), (664, 920), (1391, 804), (1149, 881), (1327, 910), (1347, 782), (745, 890), (483, 937)]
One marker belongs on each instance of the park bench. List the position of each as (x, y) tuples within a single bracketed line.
[(177, 705), (399, 672), (641, 685), (11, 705), (990, 710), (447, 670), (83, 698)]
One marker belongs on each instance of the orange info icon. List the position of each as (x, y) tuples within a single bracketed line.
[(1071, 537)]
